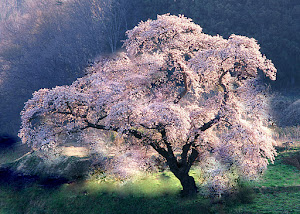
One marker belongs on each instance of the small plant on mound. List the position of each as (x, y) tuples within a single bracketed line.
[(69, 168)]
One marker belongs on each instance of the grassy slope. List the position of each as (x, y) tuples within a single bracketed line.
[(277, 192), (155, 194), (11, 154)]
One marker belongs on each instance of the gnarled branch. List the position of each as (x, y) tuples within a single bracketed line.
[(187, 87)]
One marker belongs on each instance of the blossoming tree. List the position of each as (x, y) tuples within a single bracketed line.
[(186, 94)]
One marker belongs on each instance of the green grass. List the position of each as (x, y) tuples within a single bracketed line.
[(9, 155), (277, 192), (280, 175), (286, 201), (149, 195)]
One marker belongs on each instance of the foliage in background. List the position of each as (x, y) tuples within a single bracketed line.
[(48, 43), (275, 24)]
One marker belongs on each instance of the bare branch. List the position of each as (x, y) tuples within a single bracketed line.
[(185, 150), (187, 87), (223, 86), (193, 156)]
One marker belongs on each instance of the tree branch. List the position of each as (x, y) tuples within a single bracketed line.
[(102, 127), (223, 86), (159, 149), (185, 150), (192, 158), (161, 129), (210, 123), (187, 87), (217, 118)]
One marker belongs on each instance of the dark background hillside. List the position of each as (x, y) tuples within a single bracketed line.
[(275, 24), (48, 43)]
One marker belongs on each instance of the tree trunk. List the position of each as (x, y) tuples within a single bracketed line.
[(189, 188), (180, 168)]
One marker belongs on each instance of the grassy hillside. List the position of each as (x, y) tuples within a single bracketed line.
[(277, 192)]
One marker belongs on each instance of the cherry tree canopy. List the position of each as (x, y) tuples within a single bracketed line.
[(176, 90)]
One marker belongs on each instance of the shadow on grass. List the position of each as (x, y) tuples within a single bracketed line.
[(21, 193), (56, 196), (19, 181), (76, 199), (278, 189), (153, 194)]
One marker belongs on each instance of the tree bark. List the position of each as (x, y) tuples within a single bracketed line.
[(181, 172), (179, 168), (189, 186)]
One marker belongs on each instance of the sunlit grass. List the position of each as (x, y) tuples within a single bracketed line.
[(145, 185), (280, 175), (277, 192), (153, 194)]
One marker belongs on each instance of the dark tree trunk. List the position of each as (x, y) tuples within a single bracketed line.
[(182, 167), (189, 188)]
